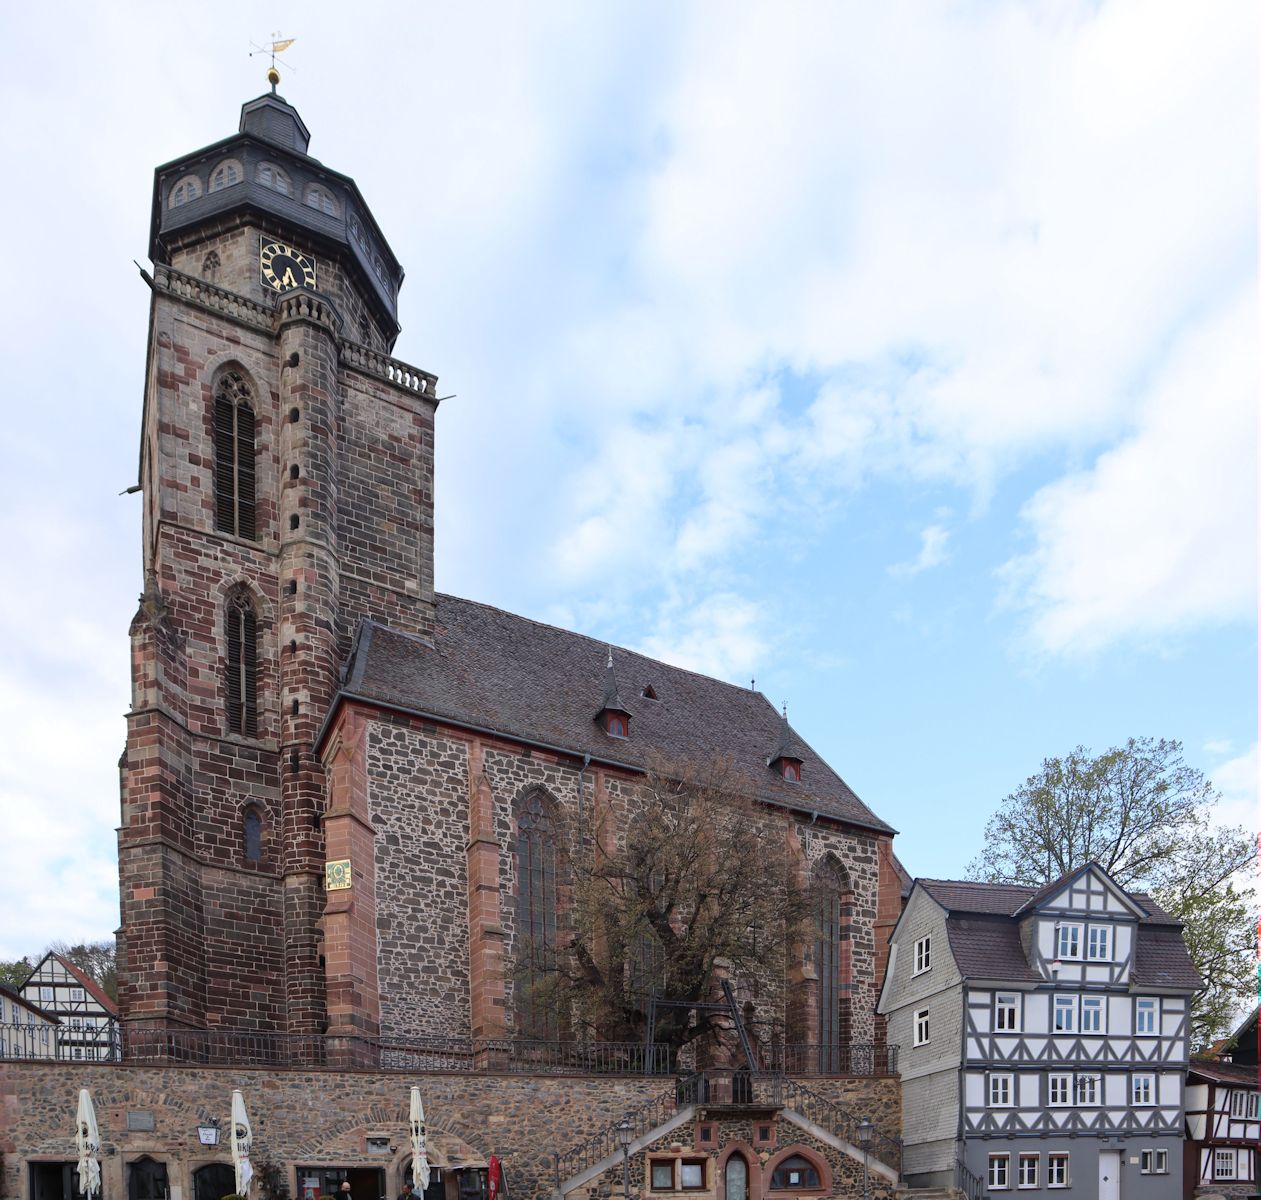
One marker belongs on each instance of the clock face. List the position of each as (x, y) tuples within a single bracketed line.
[(283, 268)]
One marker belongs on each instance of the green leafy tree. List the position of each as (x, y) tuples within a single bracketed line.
[(15, 974), (692, 888), (1146, 817)]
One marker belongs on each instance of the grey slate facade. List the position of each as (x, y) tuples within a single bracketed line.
[(1043, 1035)]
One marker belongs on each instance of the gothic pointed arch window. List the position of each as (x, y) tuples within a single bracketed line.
[(252, 833), (833, 903), (536, 914), (241, 663), (234, 456)]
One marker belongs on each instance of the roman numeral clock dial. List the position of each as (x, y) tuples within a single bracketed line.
[(284, 268)]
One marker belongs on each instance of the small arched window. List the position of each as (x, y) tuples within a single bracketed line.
[(234, 457), (225, 175), (241, 663), (321, 199), (796, 1171), (274, 177), (535, 916), (252, 828), (188, 188)]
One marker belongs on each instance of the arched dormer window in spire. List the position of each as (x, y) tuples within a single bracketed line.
[(188, 188), (226, 174), (274, 177), (321, 199), (614, 717), (234, 457), (241, 663)]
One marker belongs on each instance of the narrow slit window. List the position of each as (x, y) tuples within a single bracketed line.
[(241, 635)]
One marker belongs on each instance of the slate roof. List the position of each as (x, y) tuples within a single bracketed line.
[(501, 673), (1224, 1072), (983, 929)]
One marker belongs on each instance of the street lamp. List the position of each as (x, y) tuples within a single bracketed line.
[(865, 1130), (625, 1133)]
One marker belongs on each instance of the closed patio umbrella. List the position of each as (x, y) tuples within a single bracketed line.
[(420, 1154), (242, 1139), (88, 1140)]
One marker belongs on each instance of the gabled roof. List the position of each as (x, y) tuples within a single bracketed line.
[(13, 994), (983, 927), (94, 989), (1067, 880), (496, 672)]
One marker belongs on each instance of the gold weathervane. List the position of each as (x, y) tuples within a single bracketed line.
[(276, 46)]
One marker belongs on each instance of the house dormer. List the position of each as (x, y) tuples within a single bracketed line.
[(787, 756), (614, 717), (1080, 929)]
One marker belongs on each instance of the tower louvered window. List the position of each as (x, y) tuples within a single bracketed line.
[(241, 635), (234, 457)]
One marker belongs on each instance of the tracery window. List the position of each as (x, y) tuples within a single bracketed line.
[(833, 956), (241, 662), (234, 457), (536, 910)]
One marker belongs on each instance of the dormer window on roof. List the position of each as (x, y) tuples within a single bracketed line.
[(614, 717), (786, 759)]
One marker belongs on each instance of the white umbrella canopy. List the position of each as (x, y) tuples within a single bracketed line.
[(420, 1154), (242, 1139), (88, 1140)]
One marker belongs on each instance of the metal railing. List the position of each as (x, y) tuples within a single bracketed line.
[(839, 1120), (851, 1058), (643, 1119), (63, 1042), (970, 1184)]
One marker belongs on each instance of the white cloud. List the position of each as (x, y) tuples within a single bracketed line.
[(1236, 780), (1218, 746), (720, 636), (1159, 535), (932, 552)]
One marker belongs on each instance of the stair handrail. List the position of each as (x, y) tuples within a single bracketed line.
[(841, 1121), (968, 1182), (644, 1117)]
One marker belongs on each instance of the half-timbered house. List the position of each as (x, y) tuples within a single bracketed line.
[(1223, 1112), (1044, 1037), (88, 1017), (26, 1031)]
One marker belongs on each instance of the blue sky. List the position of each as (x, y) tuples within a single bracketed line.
[(900, 357)]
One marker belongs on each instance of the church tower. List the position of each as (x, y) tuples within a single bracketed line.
[(286, 463)]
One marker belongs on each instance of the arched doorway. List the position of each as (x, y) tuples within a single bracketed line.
[(735, 1178), (214, 1181), (146, 1180)]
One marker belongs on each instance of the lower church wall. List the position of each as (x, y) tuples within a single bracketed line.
[(323, 1118)]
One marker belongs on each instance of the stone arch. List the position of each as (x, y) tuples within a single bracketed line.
[(813, 1157), (752, 1163)]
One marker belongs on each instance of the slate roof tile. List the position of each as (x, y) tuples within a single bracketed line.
[(500, 672)]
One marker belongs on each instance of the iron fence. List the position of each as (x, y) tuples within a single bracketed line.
[(850, 1058), (63, 1042)]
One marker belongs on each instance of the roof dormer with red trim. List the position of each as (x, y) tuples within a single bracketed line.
[(613, 717)]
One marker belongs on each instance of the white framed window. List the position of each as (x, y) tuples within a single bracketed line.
[(225, 175), (921, 1027), (1143, 1090), (923, 955), (1068, 941), (1145, 1015), (1099, 943), (1000, 1091), (1092, 1014), (1238, 1103), (1223, 1164), (45, 995), (1059, 1090), (1057, 1170), (1000, 1171), (76, 993), (1154, 1162), (318, 197), (1254, 1103), (188, 188), (1065, 1014), (1027, 1171), (1087, 1090), (274, 177), (1007, 1012)]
